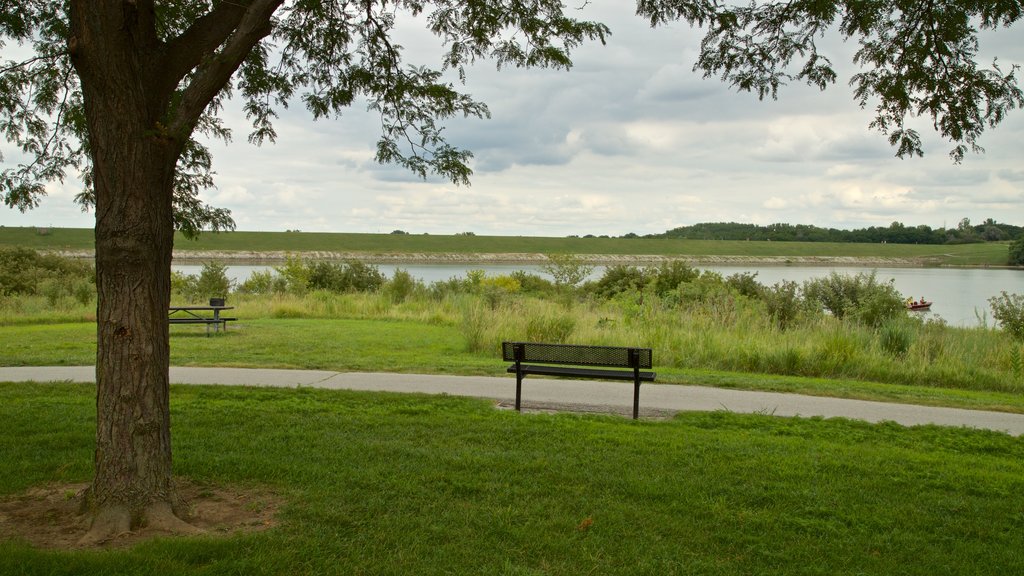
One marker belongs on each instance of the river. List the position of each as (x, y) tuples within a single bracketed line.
[(960, 295)]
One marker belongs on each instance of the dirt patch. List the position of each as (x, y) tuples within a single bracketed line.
[(48, 516)]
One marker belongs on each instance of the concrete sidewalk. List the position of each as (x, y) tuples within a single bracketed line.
[(538, 393)]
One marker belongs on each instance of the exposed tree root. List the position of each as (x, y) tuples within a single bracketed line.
[(51, 517), (113, 522)]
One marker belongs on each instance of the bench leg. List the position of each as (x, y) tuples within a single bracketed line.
[(636, 393), (519, 389)]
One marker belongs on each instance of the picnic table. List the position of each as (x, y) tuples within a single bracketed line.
[(200, 315)]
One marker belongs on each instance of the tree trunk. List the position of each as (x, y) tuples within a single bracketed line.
[(133, 176), (134, 237)]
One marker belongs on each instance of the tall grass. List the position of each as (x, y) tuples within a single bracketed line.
[(699, 327)]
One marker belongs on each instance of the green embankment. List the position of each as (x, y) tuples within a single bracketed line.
[(79, 239)]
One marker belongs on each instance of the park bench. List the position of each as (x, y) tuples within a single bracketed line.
[(574, 361)]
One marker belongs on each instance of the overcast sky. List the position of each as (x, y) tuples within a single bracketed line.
[(629, 140)]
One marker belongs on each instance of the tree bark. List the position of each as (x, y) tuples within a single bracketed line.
[(139, 119), (133, 176)]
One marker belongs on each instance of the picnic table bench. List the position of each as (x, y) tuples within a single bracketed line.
[(577, 361), (196, 315)]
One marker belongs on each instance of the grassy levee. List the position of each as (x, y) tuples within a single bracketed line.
[(988, 254)]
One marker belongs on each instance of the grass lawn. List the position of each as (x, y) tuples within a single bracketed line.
[(407, 484)]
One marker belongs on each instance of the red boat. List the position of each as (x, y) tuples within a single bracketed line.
[(919, 305)]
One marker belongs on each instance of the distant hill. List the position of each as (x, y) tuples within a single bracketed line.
[(895, 233)]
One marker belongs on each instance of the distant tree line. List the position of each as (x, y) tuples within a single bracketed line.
[(895, 233)]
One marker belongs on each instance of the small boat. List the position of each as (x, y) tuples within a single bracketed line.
[(919, 305)]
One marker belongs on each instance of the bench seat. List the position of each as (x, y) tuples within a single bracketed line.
[(594, 373), (207, 321)]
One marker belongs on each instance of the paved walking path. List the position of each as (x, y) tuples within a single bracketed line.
[(655, 399)]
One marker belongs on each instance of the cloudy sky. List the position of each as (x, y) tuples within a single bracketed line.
[(629, 140)]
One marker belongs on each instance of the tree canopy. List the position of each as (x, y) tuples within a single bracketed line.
[(322, 54), (918, 58)]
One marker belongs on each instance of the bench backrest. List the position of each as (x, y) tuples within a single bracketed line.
[(612, 356)]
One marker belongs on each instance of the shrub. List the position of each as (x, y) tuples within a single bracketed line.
[(708, 288), (860, 297), (295, 274), (619, 279), (263, 282), (1008, 309), (213, 281), (328, 276), (669, 275), (746, 284), (784, 303), (496, 288), (1016, 253), (24, 271), (182, 284), (568, 270), (532, 283), (362, 277), (401, 286)]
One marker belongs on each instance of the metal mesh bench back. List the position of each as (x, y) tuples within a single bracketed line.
[(576, 355)]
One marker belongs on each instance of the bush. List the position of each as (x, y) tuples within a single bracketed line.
[(328, 276), (401, 286), (784, 303), (619, 279), (568, 270), (670, 275), (860, 297), (746, 284), (295, 274), (709, 287), (213, 281), (362, 277), (1016, 255), (1008, 309), (263, 282), (532, 283), (25, 271), (496, 288)]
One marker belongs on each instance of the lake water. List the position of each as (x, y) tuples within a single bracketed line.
[(960, 296)]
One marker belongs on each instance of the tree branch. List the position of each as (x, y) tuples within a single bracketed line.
[(186, 51), (215, 71)]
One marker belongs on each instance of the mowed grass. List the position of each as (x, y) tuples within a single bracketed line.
[(993, 254), (408, 484)]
